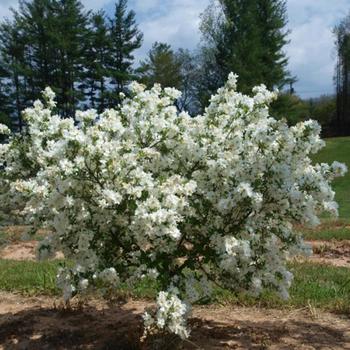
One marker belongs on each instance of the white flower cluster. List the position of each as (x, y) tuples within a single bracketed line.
[(4, 130), (142, 190), (170, 315)]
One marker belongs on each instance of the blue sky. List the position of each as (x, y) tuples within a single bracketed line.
[(311, 50)]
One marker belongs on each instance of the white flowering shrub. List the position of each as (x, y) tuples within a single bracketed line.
[(141, 190)]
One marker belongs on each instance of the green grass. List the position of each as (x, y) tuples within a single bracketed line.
[(338, 149), (29, 277), (3, 239), (328, 233), (321, 286)]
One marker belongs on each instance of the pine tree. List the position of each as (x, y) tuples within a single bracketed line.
[(272, 20), (161, 66), (69, 36), (44, 46), (239, 46), (57, 43), (125, 39), (246, 37), (95, 62), (35, 19), (5, 97), (14, 82), (342, 76)]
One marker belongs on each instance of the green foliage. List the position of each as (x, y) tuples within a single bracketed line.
[(96, 62), (294, 109), (58, 43), (13, 82), (323, 109), (290, 107), (68, 38), (161, 66), (43, 45), (5, 119), (125, 39), (248, 38)]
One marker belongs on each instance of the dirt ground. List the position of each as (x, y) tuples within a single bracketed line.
[(336, 253), (40, 323), (22, 251), (19, 246)]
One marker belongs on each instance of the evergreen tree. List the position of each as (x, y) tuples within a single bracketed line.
[(95, 62), (57, 43), (14, 82), (5, 97), (246, 37), (272, 20), (239, 46), (69, 36), (161, 66), (44, 46), (125, 39), (36, 21), (342, 76)]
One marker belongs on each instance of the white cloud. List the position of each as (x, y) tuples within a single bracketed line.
[(311, 50), (175, 22)]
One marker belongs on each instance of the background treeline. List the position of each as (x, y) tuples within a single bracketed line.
[(342, 77), (85, 57), (88, 58)]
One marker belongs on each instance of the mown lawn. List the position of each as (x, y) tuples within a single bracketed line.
[(328, 233), (314, 285), (29, 277), (338, 149), (338, 229)]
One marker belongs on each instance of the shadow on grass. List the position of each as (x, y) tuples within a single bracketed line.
[(118, 328)]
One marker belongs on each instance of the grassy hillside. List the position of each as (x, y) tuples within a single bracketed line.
[(339, 149)]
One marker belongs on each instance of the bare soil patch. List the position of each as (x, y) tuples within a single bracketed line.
[(336, 253), (19, 251), (25, 250), (18, 245), (37, 323)]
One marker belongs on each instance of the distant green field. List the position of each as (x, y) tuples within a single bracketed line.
[(338, 149)]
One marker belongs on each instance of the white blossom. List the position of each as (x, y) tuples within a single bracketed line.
[(4, 130), (141, 190)]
